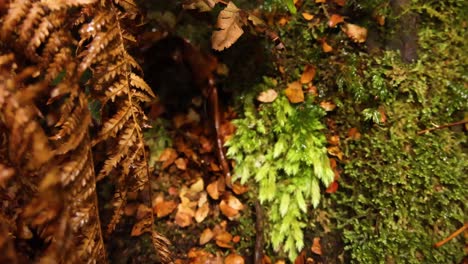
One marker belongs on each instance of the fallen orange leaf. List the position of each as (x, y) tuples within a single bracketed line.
[(316, 247), (294, 92), (141, 227), (353, 133), (198, 186), (356, 33), (236, 239), (320, 1), (233, 258), (224, 239), (239, 189), (380, 20), (308, 74), (325, 47), (163, 208), (267, 96), (340, 2), (335, 151), (234, 202), (307, 16), (334, 140), (335, 19), (227, 210), (206, 236), (212, 190)]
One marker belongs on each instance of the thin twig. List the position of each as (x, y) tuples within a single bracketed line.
[(443, 126), (454, 234), (258, 255)]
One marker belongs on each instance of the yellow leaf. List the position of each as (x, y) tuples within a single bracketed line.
[(230, 28), (294, 92), (356, 33), (267, 96), (308, 74)]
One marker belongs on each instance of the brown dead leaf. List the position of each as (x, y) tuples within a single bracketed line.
[(325, 47), (320, 1), (233, 258), (334, 140), (223, 239), (168, 156), (383, 116), (340, 2), (354, 32), (267, 96), (294, 92), (316, 247), (308, 74), (206, 236), (184, 216), (328, 106), (212, 190), (256, 21), (307, 16), (143, 211), (266, 260), (181, 163), (354, 134), (163, 208), (335, 19), (312, 89), (332, 188), (228, 211), (380, 20), (283, 21), (230, 28), (239, 189), (200, 5), (202, 213), (206, 145), (130, 209), (236, 239), (335, 151), (141, 227), (234, 203), (198, 186)]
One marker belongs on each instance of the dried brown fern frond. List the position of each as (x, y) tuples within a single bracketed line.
[(104, 42), (47, 131)]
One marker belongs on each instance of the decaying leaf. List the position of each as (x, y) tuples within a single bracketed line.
[(333, 187), (334, 140), (181, 163), (335, 19), (230, 28), (316, 247), (267, 96), (223, 239), (239, 189), (294, 92), (356, 33), (234, 258), (335, 151), (206, 236), (308, 74), (184, 215), (340, 2), (198, 186), (354, 134), (202, 212)]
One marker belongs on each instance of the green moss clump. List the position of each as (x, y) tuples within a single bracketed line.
[(282, 148)]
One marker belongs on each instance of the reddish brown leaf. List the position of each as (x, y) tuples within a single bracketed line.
[(239, 189), (316, 247), (353, 133), (294, 92), (332, 188), (181, 163), (227, 210), (334, 140), (164, 208), (326, 48)]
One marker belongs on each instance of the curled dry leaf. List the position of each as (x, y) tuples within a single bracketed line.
[(335, 19), (267, 96), (308, 74), (316, 247), (206, 236), (328, 106), (230, 28), (356, 33), (200, 5), (294, 92), (335, 151), (234, 258)]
